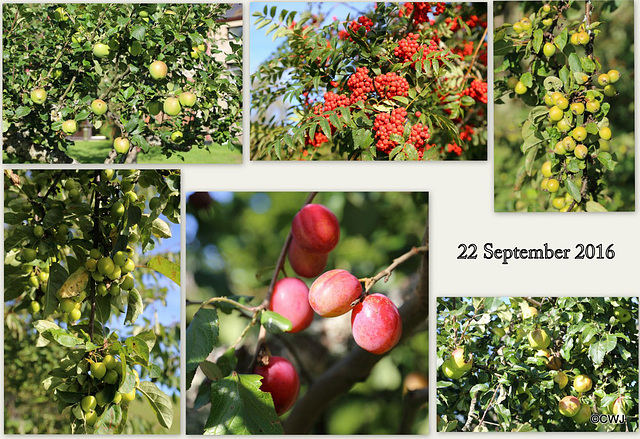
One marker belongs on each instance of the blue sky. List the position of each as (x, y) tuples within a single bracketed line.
[(262, 46)]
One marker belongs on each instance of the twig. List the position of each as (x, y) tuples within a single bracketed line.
[(386, 273), (490, 404), (472, 410), (475, 55), (53, 185), (533, 301)]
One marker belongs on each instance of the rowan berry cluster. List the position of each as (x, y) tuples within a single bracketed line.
[(387, 124), (362, 21), (421, 10), (390, 85), (409, 46), (419, 135), (360, 84), (477, 90)]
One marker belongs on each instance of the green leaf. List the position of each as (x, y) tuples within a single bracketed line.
[(593, 206), (274, 322), (239, 407), (607, 160), (53, 217), (573, 190), (109, 421), (139, 349), (599, 349), (211, 370), (159, 401), (202, 335), (160, 229), (62, 337), (134, 308)]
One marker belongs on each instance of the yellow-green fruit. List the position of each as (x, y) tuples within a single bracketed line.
[(38, 96), (511, 82), (525, 23), (610, 90), (29, 254), (172, 106), (548, 100), (538, 339), (549, 49), (101, 50), (109, 361), (75, 315), (583, 38), (569, 406), (614, 76), (546, 169), (91, 417), (187, 99), (574, 39), (582, 383), (529, 312), (568, 143), (622, 314), (603, 80), (69, 126), (176, 136), (543, 186), (450, 371), (121, 145), (520, 88), (563, 126), (561, 379), (581, 151), (562, 103), (593, 106), (583, 415), (111, 377), (105, 265), (517, 27), (459, 360), (559, 148), (99, 107), (619, 407), (558, 202), (577, 108), (98, 370), (117, 398), (67, 305), (555, 113), (605, 133), (579, 133), (128, 397), (34, 307), (158, 70)]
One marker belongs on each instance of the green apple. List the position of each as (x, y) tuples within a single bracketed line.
[(158, 70), (154, 108), (101, 50), (583, 38), (546, 169), (558, 202), (129, 265), (105, 265), (69, 126), (549, 49), (187, 99), (538, 338), (29, 254), (569, 406), (128, 397), (614, 76), (109, 361), (579, 133), (593, 106), (117, 210), (111, 377), (605, 133), (561, 379), (582, 383), (520, 88), (98, 370), (75, 315), (38, 231), (91, 418), (450, 370), (121, 145), (622, 314), (176, 137), (610, 90), (603, 80), (99, 107), (172, 106), (34, 307), (529, 312), (619, 406), (583, 415), (88, 403), (555, 113), (459, 360), (67, 305), (581, 151), (38, 96), (127, 282), (577, 108)]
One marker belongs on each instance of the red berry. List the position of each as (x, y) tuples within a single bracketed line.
[(280, 379), (304, 262), (332, 293), (290, 299), (376, 324), (316, 228)]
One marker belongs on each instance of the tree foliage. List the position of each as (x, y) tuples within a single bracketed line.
[(514, 387), (76, 269), (573, 139), (54, 48), (401, 82), (234, 245)]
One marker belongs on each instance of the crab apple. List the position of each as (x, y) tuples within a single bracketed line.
[(574, 39), (75, 314), (583, 415), (459, 360), (280, 379), (91, 417), (332, 294), (530, 311), (517, 27), (128, 397), (583, 38), (603, 80), (582, 383), (105, 265), (98, 370), (304, 262), (614, 76), (520, 88), (38, 96), (577, 108), (376, 324), (559, 148), (291, 299), (69, 126), (593, 106), (121, 145), (99, 107), (610, 90), (67, 305), (619, 407), (538, 339), (316, 228), (558, 202), (34, 306), (109, 361), (569, 406), (512, 82), (88, 403), (563, 126), (562, 103), (450, 370), (581, 151), (579, 133), (605, 133), (188, 99), (177, 136), (546, 169), (158, 70), (561, 379), (171, 106), (568, 143), (526, 24), (549, 49), (622, 314), (101, 50), (555, 113)]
